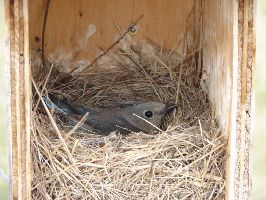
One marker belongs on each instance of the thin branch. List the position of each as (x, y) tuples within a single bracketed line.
[(112, 46), (43, 32)]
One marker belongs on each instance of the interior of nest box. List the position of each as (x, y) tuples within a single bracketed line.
[(95, 27), (163, 22)]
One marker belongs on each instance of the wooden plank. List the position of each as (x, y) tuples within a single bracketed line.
[(68, 21), (245, 91), (220, 63), (20, 94), (218, 58), (229, 61)]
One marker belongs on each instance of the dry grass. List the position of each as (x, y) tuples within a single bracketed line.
[(187, 161)]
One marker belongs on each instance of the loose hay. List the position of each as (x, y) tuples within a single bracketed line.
[(186, 161)]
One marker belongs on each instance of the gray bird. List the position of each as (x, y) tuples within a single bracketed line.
[(146, 117)]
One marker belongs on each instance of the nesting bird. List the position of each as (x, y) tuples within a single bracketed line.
[(134, 117)]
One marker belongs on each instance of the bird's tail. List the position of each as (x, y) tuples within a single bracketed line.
[(59, 105)]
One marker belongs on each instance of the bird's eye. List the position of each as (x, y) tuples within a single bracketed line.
[(148, 114)]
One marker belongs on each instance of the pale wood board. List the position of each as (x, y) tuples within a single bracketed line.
[(220, 63), (163, 22), (245, 97), (20, 91)]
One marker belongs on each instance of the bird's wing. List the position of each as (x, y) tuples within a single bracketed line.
[(75, 119), (110, 120), (121, 104), (70, 108)]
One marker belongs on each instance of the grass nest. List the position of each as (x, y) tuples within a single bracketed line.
[(185, 161)]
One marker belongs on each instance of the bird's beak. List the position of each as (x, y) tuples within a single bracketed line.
[(169, 108)]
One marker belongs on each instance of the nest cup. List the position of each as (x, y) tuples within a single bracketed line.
[(185, 160)]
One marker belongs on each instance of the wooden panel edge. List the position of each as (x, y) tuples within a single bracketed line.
[(245, 99), (7, 24), (20, 87), (231, 151)]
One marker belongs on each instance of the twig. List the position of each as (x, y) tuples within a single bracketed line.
[(43, 87), (43, 32), (109, 48), (53, 123), (147, 122)]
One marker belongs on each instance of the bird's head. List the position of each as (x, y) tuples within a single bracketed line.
[(147, 116)]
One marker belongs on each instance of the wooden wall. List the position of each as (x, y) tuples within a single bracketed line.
[(229, 63), (220, 60), (68, 21), (19, 98)]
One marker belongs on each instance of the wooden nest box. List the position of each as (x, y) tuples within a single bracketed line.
[(228, 60)]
